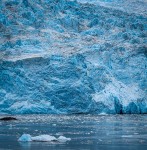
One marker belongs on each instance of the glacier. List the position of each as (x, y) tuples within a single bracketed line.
[(73, 56)]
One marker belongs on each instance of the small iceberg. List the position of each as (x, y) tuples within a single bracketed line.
[(63, 139), (103, 114), (42, 138), (127, 136), (25, 138)]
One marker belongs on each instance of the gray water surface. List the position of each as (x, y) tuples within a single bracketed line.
[(87, 132)]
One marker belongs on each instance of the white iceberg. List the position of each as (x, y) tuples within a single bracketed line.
[(63, 139), (42, 138)]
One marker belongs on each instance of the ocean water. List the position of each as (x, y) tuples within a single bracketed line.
[(87, 132)]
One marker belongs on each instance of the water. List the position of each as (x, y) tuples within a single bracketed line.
[(87, 132)]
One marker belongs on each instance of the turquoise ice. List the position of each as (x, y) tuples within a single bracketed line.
[(67, 56)]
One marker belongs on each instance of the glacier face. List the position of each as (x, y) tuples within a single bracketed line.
[(66, 56)]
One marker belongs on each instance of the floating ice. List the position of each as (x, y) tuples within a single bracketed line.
[(25, 138), (127, 136), (63, 139), (103, 114), (42, 138)]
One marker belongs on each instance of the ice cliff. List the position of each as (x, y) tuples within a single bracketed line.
[(66, 56)]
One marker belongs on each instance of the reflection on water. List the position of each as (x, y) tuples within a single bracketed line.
[(87, 132)]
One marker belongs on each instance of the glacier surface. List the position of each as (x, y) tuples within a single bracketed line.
[(68, 56)]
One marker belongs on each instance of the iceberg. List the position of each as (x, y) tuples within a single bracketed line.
[(63, 139), (42, 138), (25, 138), (73, 57)]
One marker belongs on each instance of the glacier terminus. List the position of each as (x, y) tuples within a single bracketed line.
[(73, 56)]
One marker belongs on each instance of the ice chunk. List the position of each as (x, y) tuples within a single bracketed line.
[(44, 138), (126, 136), (25, 138), (103, 113), (63, 139)]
